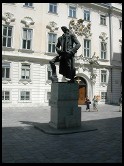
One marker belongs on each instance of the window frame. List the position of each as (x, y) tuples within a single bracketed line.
[(8, 64), (25, 71), (52, 43), (31, 39), (30, 95), (3, 95), (71, 11), (85, 48), (102, 19), (7, 26), (104, 52), (54, 7), (46, 95), (30, 6), (104, 96), (86, 12), (120, 24), (103, 76), (49, 72)]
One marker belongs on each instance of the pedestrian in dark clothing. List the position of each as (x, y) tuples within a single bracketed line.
[(88, 102), (120, 104)]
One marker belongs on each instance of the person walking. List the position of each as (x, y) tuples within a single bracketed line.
[(88, 102), (120, 104), (95, 103)]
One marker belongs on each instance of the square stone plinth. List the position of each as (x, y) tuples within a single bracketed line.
[(65, 112)]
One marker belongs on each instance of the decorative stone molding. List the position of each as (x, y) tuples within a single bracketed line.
[(94, 59), (8, 17), (28, 21), (6, 81), (93, 77), (103, 36), (52, 26), (25, 82), (80, 29)]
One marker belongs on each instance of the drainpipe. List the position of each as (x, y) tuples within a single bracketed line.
[(111, 45), (110, 35)]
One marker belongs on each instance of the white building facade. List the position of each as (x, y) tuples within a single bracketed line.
[(29, 36)]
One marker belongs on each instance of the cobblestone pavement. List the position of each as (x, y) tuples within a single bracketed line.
[(22, 143)]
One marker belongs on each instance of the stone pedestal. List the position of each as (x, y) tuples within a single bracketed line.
[(65, 112)]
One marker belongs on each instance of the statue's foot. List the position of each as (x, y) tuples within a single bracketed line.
[(54, 78)]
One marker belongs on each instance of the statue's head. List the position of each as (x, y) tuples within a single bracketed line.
[(64, 29)]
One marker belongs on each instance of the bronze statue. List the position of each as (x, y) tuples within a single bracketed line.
[(65, 55)]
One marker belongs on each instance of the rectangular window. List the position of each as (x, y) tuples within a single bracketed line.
[(7, 36), (103, 50), (86, 15), (5, 70), (52, 42), (87, 46), (102, 20), (25, 71), (25, 95), (49, 72), (120, 22), (48, 96), (27, 39), (5, 96), (103, 95), (28, 4), (103, 76), (53, 7), (72, 11)]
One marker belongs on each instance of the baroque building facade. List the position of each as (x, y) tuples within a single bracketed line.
[(29, 36)]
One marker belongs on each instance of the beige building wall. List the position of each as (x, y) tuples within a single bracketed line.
[(39, 86)]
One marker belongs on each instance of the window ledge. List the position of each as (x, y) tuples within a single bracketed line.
[(87, 21), (25, 101), (52, 13), (30, 7), (104, 60), (103, 24), (6, 101), (51, 54), (6, 81), (7, 48), (72, 17), (25, 51), (25, 81), (103, 84)]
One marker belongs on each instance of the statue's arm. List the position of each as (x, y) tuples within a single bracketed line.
[(77, 44), (58, 46)]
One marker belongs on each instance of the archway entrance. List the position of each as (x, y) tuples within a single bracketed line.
[(82, 90)]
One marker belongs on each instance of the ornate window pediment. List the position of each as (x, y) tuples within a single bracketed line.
[(103, 36), (27, 21), (8, 17), (52, 26)]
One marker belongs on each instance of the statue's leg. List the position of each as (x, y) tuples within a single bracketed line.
[(53, 67)]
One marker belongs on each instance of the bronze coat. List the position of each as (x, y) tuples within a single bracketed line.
[(67, 43)]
